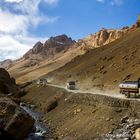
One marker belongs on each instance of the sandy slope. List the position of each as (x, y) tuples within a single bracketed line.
[(23, 73)]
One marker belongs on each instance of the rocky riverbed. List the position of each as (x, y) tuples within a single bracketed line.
[(41, 132)]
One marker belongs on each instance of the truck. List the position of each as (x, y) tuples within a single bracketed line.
[(130, 87), (71, 85)]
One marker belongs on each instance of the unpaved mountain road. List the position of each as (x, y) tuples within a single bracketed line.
[(96, 92)]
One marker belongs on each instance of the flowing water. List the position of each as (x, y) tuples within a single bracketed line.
[(41, 130)]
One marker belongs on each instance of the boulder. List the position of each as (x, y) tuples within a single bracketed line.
[(5, 136), (137, 134), (23, 122), (7, 84), (13, 120)]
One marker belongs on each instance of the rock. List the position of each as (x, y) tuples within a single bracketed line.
[(4, 135), (32, 106), (7, 84), (127, 138), (118, 110), (124, 119), (20, 125), (16, 122), (125, 131), (107, 119), (101, 68), (103, 36), (137, 134), (78, 110)]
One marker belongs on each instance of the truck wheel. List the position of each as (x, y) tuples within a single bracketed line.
[(127, 94)]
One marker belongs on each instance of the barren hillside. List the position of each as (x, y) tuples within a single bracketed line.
[(105, 66), (58, 51)]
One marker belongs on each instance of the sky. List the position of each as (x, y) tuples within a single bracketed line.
[(24, 22)]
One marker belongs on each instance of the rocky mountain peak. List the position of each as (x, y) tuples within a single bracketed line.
[(61, 40), (37, 47), (52, 46)]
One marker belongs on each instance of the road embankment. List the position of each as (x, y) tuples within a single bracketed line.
[(97, 113)]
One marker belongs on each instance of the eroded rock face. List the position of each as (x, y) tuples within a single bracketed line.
[(7, 84), (14, 121), (102, 37)]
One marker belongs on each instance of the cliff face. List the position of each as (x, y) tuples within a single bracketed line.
[(103, 37)]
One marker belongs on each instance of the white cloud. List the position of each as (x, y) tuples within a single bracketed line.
[(12, 47), (11, 23), (15, 22), (13, 1)]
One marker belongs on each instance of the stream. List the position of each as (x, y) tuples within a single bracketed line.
[(41, 132)]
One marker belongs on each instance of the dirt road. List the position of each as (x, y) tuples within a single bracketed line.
[(99, 92)]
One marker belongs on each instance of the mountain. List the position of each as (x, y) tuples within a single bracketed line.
[(6, 63), (58, 51), (106, 66), (51, 47), (43, 58), (103, 37)]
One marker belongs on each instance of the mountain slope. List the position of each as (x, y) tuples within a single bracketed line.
[(59, 50), (43, 58), (6, 63), (104, 66)]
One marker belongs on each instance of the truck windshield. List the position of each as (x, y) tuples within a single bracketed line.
[(72, 83)]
